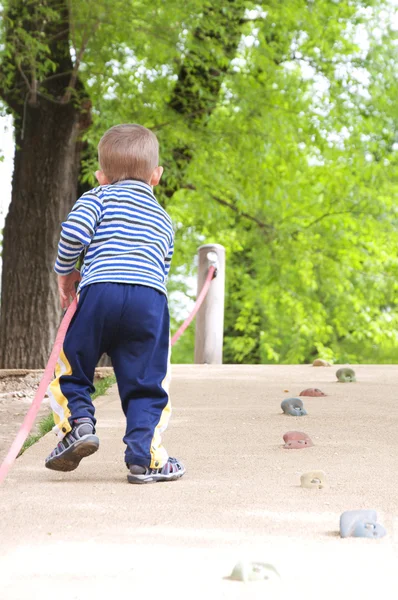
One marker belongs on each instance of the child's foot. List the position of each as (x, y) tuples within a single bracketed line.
[(173, 469), (77, 444)]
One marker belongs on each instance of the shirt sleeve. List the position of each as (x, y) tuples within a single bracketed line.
[(167, 260), (77, 232)]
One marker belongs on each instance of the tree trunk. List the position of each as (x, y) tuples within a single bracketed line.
[(39, 83), (44, 189), (201, 74)]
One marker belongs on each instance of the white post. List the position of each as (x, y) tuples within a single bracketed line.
[(210, 318)]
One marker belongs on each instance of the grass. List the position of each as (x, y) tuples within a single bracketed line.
[(47, 423), (44, 426), (102, 385)]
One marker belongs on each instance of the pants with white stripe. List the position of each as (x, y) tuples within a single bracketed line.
[(131, 324)]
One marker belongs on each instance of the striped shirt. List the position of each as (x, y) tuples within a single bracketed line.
[(126, 235)]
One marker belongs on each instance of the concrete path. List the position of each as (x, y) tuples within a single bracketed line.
[(88, 534)]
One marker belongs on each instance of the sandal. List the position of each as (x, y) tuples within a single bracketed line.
[(77, 444), (172, 470)]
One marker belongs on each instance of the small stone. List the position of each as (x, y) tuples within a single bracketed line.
[(318, 362), (293, 407), (312, 392), (295, 435), (298, 444), (313, 480), (296, 440), (253, 571), (368, 529), (360, 523), (345, 375)]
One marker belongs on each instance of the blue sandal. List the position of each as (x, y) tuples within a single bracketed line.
[(172, 470), (77, 444)]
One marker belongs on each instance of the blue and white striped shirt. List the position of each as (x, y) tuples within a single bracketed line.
[(125, 233)]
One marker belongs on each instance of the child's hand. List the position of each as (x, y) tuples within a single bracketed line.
[(66, 287)]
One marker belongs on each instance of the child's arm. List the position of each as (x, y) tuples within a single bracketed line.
[(167, 260), (67, 287), (77, 233)]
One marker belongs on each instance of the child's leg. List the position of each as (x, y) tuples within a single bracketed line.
[(70, 390), (87, 338), (74, 372), (142, 367)]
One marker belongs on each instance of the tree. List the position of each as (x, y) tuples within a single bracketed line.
[(38, 77), (308, 176), (52, 49), (255, 105)]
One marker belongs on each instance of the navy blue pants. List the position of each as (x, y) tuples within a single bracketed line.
[(131, 324)]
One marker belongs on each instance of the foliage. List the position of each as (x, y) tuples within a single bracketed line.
[(102, 385), (310, 175), (44, 426), (277, 123)]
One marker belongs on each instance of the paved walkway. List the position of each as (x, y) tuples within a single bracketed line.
[(89, 534)]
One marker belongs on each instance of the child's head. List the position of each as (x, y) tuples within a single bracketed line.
[(129, 152)]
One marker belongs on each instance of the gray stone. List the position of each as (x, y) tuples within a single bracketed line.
[(294, 407), (368, 529), (345, 375), (360, 523)]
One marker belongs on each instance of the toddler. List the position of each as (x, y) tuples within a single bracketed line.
[(127, 240)]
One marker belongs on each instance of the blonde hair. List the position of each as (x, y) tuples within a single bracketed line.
[(128, 152)]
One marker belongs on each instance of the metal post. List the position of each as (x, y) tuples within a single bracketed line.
[(210, 318)]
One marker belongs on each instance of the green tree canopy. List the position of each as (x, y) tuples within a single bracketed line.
[(277, 125)]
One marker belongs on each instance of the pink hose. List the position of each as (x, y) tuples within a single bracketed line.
[(41, 391), (196, 307), (49, 373)]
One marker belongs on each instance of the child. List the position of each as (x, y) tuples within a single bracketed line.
[(122, 310)]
